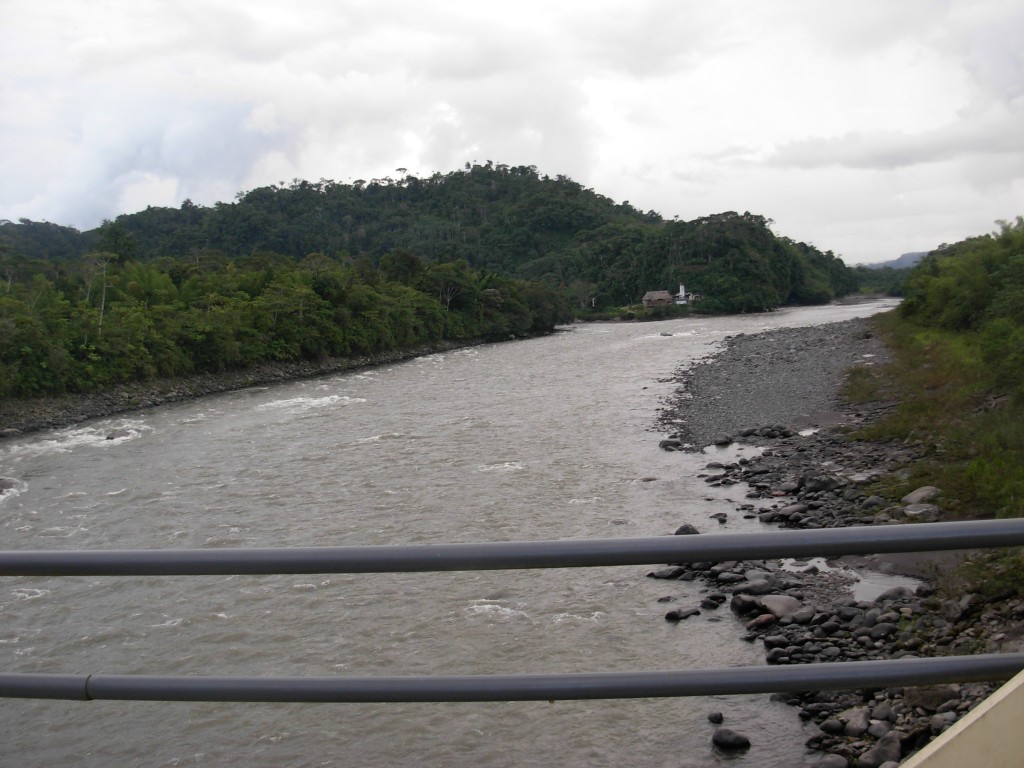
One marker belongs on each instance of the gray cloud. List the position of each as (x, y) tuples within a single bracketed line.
[(996, 135), (683, 107)]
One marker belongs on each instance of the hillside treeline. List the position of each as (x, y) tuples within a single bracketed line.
[(976, 287), (958, 364), (102, 320), (505, 220)]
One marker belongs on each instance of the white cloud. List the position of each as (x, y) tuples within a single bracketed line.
[(868, 127)]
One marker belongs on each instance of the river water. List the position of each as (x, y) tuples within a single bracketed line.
[(542, 439)]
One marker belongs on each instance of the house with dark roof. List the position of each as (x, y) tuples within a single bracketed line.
[(657, 299)]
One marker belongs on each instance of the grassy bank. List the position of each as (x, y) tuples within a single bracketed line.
[(970, 432)]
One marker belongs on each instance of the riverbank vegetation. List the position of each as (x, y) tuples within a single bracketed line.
[(111, 320), (958, 370), (307, 270)]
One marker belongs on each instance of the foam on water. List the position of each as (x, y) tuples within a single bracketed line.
[(382, 436), (496, 610), (505, 466), (27, 593), (103, 434), (579, 618), (306, 402), (17, 488)]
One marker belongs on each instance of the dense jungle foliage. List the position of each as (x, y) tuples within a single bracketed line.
[(506, 220), (107, 320), (958, 343), (304, 270)]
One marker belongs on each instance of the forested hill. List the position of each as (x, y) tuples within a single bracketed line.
[(509, 221)]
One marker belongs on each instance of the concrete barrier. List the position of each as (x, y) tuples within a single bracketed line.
[(989, 736)]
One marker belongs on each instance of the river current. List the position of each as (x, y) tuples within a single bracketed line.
[(548, 438)]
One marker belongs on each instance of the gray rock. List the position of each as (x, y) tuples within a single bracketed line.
[(886, 749), (760, 587), (940, 722), (721, 439), (686, 530), (673, 572), (729, 740), (921, 512), (780, 605), (716, 717), (819, 483), (880, 631), (679, 614), (743, 604), (879, 728), (882, 711), (804, 615), (728, 577), (896, 593), (930, 698), (760, 622), (857, 721), (921, 495), (833, 761), (832, 726)]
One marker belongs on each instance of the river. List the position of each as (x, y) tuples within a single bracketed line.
[(542, 439)]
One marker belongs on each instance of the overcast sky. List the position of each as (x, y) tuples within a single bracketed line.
[(866, 127)]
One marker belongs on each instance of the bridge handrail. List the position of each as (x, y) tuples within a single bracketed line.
[(516, 555), (573, 553), (533, 687)]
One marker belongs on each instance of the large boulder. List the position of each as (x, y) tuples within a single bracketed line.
[(857, 721), (930, 698), (818, 483), (728, 740), (924, 513), (886, 750), (779, 605)]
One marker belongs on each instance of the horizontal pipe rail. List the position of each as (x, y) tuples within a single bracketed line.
[(823, 542), (852, 675)]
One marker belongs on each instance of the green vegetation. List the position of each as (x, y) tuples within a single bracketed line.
[(107, 320), (504, 220), (958, 371), (308, 270), (884, 280)]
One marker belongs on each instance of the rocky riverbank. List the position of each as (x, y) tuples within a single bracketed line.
[(31, 415), (780, 391)]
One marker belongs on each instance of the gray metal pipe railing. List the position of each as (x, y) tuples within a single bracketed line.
[(515, 555), (851, 675), (824, 542)]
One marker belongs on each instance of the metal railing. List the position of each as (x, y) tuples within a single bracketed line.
[(517, 555)]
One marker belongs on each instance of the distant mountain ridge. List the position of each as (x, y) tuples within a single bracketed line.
[(906, 261)]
